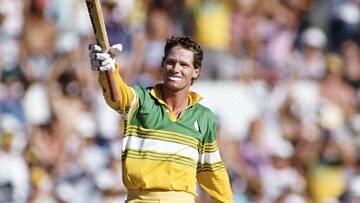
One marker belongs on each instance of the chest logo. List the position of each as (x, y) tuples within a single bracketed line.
[(197, 126)]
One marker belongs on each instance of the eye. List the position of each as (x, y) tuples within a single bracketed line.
[(185, 65), (169, 62)]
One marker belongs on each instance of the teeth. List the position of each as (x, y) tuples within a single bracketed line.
[(174, 78)]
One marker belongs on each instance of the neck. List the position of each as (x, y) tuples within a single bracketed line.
[(176, 100)]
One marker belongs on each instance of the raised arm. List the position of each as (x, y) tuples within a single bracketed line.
[(102, 61)]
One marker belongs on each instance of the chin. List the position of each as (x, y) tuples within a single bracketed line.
[(173, 86)]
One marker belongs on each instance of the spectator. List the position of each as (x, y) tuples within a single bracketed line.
[(158, 27), (14, 173), (37, 53), (256, 155), (215, 43), (310, 61), (281, 177)]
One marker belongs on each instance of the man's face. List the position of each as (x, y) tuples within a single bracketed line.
[(178, 69)]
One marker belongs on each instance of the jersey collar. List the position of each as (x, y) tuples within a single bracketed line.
[(193, 96)]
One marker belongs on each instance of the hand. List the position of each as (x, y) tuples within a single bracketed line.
[(103, 60)]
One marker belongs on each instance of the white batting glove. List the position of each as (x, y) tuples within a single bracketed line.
[(103, 60)]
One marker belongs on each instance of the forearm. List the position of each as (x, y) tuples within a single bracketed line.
[(124, 91)]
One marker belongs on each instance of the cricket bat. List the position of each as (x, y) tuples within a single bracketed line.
[(98, 25)]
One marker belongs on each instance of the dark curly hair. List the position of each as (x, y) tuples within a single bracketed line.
[(186, 43)]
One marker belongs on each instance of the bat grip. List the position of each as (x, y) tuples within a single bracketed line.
[(112, 86)]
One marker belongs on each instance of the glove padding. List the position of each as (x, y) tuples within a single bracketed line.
[(103, 60)]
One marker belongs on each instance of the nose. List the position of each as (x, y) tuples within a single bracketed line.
[(177, 67)]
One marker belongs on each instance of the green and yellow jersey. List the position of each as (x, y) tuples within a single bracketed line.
[(162, 152)]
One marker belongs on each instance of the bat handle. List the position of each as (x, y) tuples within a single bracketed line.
[(112, 86)]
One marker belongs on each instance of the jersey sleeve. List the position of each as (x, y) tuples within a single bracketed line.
[(211, 172), (125, 93)]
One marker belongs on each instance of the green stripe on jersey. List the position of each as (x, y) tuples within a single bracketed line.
[(210, 167), (209, 147), (156, 156)]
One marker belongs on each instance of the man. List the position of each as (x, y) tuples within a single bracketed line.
[(169, 139)]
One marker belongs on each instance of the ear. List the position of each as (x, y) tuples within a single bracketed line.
[(196, 73)]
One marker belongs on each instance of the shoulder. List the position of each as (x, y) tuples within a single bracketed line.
[(203, 108), (138, 88), (141, 90), (205, 112)]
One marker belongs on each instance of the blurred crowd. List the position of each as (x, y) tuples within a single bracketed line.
[(299, 58)]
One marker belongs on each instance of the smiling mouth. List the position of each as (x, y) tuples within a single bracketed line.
[(173, 78)]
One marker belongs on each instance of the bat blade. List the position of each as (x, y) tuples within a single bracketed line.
[(98, 25)]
